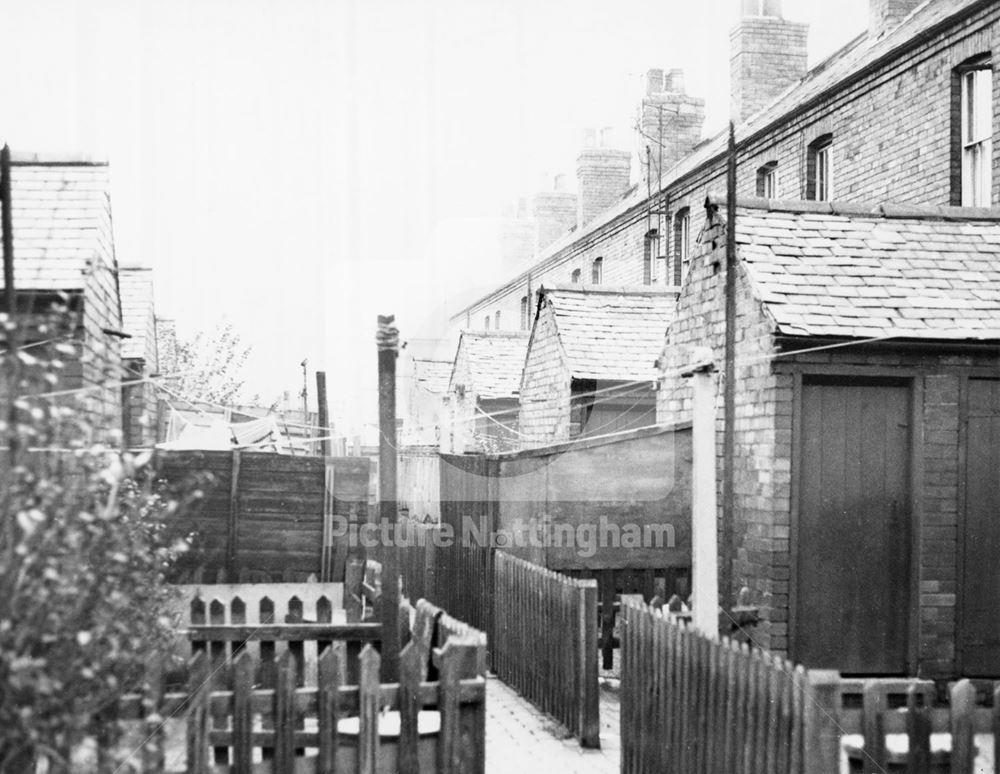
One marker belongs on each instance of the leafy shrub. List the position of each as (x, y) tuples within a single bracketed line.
[(83, 552)]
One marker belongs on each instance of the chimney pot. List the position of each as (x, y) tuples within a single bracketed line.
[(654, 81), (674, 81), (559, 183), (670, 123)]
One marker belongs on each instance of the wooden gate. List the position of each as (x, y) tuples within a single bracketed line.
[(980, 624), (853, 526)]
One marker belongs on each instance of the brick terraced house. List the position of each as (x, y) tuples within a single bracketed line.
[(904, 113), (866, 474)]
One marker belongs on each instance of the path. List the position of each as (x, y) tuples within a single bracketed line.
[(520, 739)]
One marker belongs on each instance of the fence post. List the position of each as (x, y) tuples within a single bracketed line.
[(590, 721), (821, 740)]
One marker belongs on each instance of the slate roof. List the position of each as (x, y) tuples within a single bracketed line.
[(847, 270), (432, 375), (609, 332), (61, 222), (836, 71), (495, 362), (136, 288)]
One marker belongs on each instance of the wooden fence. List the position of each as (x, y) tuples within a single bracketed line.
[(695, 705), (266, 517), (417, 558), (254, 713), (545, 646)]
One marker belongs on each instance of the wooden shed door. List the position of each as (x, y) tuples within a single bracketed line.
[(853, 539), (980, 637)]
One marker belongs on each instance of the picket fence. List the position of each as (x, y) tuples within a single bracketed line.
[(545, 642), (699, 706)]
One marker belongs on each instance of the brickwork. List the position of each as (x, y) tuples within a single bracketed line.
[(602, 176), (764, 462), (545, 387), (767, 55), (555, 213), (671, 122), (762, 406), (886, 14), (891, 127)]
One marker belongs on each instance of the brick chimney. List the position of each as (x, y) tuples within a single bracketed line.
[(517, 236), (554, 211), (670, 121), (602, 175), (885, 15), (767, 55)]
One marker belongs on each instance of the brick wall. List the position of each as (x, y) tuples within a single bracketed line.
[(602, 176), (763, 466), (763, 403), (544, 417), (767, 55)]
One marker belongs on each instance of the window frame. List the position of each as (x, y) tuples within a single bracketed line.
[(974, 146), (486, 323), (496, 322), (767, 180), (681, 243), (574, 277), (597, 271), (524, 313), (819, 169)]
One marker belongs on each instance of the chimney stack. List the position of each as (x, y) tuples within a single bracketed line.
[(517, 236), (670, 121), (767, 55), (555, 212), (602, 175), (885, 15)]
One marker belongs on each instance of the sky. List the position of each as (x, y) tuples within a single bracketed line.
[(300, 166)]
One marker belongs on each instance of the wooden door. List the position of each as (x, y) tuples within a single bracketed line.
[(853, 536), (980, 591)]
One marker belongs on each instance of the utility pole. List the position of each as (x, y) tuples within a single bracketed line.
[(729, 393), (323, 409), (13, 336), (387, 340)]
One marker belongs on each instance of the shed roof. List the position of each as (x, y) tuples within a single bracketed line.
[(495, 361), (136, 287), (855, 271), (432, 375), (61, 212), (610, 332)]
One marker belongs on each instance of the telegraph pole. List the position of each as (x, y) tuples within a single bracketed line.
[(387, 340)]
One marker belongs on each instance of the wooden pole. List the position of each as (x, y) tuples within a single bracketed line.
[(13, 337), (704, 508), (729, 397), (324, 412), (387, 340)]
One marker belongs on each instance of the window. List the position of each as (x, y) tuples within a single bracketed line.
[(767, 180), (486, 323), (497, 323), (682, 230), (597, 271), (819, 172), (651, 258), (524, 313), (977, 133), (575, 277)]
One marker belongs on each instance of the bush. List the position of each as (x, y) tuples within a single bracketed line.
[(83, 551)]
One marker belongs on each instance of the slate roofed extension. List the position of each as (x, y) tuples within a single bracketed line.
[(608, 332), (61, 222), (847, 270), (495, 360), (432, 375)]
